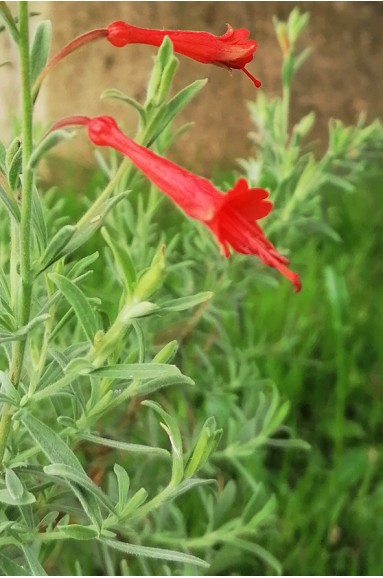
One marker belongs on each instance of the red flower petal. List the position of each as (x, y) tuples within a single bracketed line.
[(250, 202), (233, 49), (231, 217)]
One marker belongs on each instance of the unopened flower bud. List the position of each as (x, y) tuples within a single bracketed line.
[(283, 38), (153, 279)]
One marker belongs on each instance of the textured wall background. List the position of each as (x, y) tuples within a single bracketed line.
[(342, 77)]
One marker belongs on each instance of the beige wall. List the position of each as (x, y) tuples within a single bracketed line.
[(342, 77)]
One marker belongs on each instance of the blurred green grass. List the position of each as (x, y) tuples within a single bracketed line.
[(331, 499)]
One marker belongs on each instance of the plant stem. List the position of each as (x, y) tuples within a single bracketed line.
[(45, 344), (26, 203), (286, 92), (24, 303)]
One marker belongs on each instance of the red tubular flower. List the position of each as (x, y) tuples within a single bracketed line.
[(233, 49), (231, 217)]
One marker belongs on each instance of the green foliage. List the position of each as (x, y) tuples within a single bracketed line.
[(90, 356), (40, 48)]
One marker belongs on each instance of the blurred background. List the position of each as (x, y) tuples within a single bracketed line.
[(342, 78)]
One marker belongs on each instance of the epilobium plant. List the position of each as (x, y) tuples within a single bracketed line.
[(82, 377)]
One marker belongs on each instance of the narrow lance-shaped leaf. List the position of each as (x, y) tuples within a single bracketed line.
[(10, 568), (156, 553), (51, 444), (9, 202), (133, 503), (172, 430), (123, 261), (141, 344), (8, 388), (167, 353), (14, 169), (187, 302), (7, 498), (89, 504), (124, 446), (165, 52), (137, 371), (34, 564), (119, 95), (22, 333), (123, 483), (56, 245), (82, 265), (78, 532), (187, 485), (50, 141), (38, 218), (167, 76), (79, 302), (259, 552), (207, 440), (80, 478), (91, 222), (14, 485), (41, 44), (9, 21), (173, 107), (152, 385)]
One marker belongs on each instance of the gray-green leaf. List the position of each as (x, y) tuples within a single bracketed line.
[(79, 302), (50, 443), (187, 302), (41, 44), (14, 485), (156, 553)]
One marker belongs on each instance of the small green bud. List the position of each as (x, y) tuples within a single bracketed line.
[(113, 340), (167, 353), (165, 67), (167, 78), (306, 123), (206, 443), (98, 338), (283, 37), (153, 279)]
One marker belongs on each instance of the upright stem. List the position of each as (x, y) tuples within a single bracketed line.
[(26, 194), (26, 204), (24, 300), (286, 109)]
